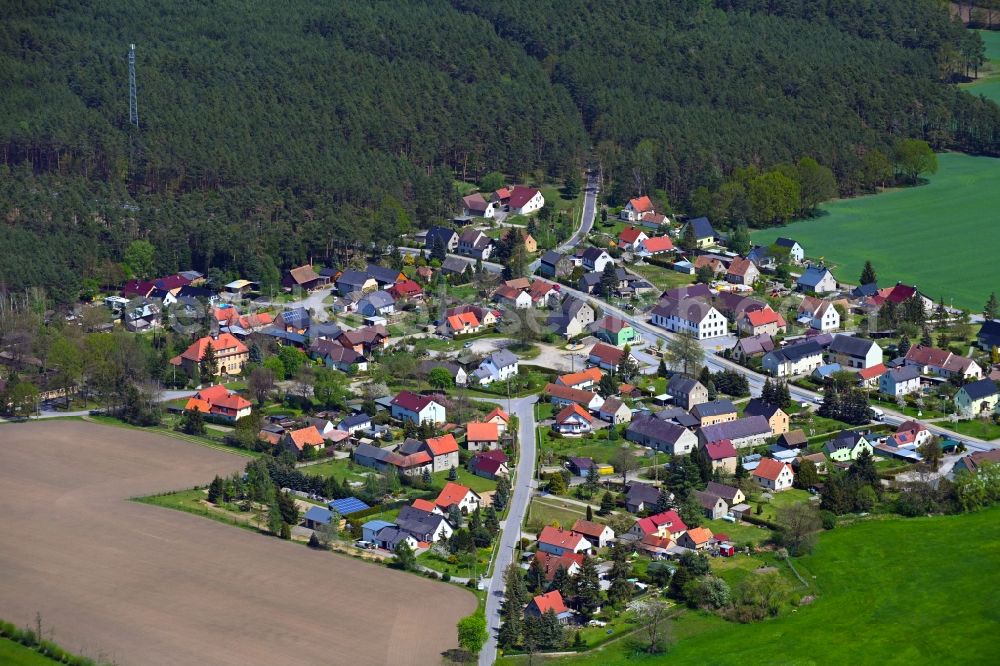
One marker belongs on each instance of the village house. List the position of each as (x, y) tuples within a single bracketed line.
[(230, 354), (525, 200), (847, 446), (542, 294), (629, 237), (752, 347), (655, 547), (482, 436), (297, 441), (355, 423), (910, 433), (498, 366), (581, 380), (816, 279), (454, 494), (572, 420), (410, 464), (795, 251), (377, 303), (988, 336), (933, 361), (443, 451), (661, 435), (220, 402), (595, 259), (355, 281), (614, 411), (696, 538), (745, 432), (665, 524), (474, 243), (977, 398), (555, 265), (650, 247), (704, 234), (443, 235), (819, 314), (571, 562), (761, 322), (688, 310), (598, 535), (550, 601), (422, 525), (606, 357), (563, 395), (303, 277), (560, 542), (973, 462), (686, 392), (406, 290), (465, 323), (798, 359), (512, 297), (636, 209), (615, 331), (640, 497), (903, 380), (408, 406), (731, 495), (716, 411), (454, 266), (776, 417), (742, 271), (474, 205), (500, 418), (854, 352), (773, 475), (722, 454), (573, 318), (489, 464)]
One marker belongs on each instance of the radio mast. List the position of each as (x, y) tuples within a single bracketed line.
[(133, 107)]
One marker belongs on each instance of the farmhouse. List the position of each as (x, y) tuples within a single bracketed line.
[(933, 361), (615, 411), (746, 432), (408, 406), (776, 417), (303, 277), (661, 435), (476, 205), (525, 200), (742, 271), (853, 352)]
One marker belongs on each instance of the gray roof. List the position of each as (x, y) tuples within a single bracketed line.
[(714, 408), (702, 228), (812, 276), (353, 278), (552, 257), (725, 492), (681, 385), (378, 299), (757, 344), (981, 389), (689, 309), (373, 452), (446, 235), (417, 522), (799, 351), (706, 499), (642, 492), (785, 242), (850, 345), (392, 535), (354, 420), (904, 373), (455, 265), (297, 318), (572, 305), (502, 358), (655, 429), (989, 332), (382, 274), (678, 416), (738, 429), (758, 407), (592, 254)]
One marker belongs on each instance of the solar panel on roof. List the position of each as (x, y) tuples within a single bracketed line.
[(347, 505)]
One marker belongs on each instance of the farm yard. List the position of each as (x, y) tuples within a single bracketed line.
[(940, 236), (872, 569), (143, 585)]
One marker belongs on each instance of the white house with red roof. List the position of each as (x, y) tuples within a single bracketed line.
[(409, 406), (910, 434), (869, 377), (595, 533), (560, 542), (220, 402), (463, 323), (665, 524), (454, 494), (525, 200), (482, 436), (636, 209), (654, 245), (297, 441), (773, 475), (722, 454), (629, 237), (550, 601), (573, 420), (571, 562), (934, 361), (499, 417), (819, 314)]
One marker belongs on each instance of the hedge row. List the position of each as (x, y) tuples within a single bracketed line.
[(31, 640)]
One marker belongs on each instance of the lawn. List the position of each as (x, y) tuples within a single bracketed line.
[(988, 83), (15, 654), (881, 601), (780, 500), (975, 428), (946, 222), (739, 533), (662, 278), (467, 479), (548, 511), (341, 468)]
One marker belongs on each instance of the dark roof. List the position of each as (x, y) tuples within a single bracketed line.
[(592, 254), (455, 265), (865, 290), (904, 373), (757, 344), (980, 389), (378, 299), (353, 278), (382, 274), (281, 334), (655, 429), (702, 228), (679, 384), (552, 257), (297, 318), (642, 492), (989, 332), (714, 408), (689, 291), (187, 291), (347, 505), (446, 235), (793, 438), (725, 492), (758, 407), (354, 420), (678, 415), (784, 242), (798, 351), (738, 429), (850, 345), (417, 521), (812, 276)]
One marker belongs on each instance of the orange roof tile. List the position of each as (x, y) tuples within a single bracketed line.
[(574, 379), (213, 393), (443, 445), (224, 345), (304, 437), (641, 204), (554, 536), (550, 601), (658, 244), (196, 405), (504, 416), (481, 432), (769, 469), (570, 410), (424, 505), (451, 494), (700, 535)]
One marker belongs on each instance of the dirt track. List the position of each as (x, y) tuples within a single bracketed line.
[(146, 585)]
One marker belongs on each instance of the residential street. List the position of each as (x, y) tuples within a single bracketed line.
[(586, 220), (524, 409)]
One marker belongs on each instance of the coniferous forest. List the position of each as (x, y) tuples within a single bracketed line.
[(269, 131)]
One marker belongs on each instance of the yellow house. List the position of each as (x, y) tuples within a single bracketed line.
[(717, 411), (230, 354), (776, 417)]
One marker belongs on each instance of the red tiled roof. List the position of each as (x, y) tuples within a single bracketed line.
[(521, 195), (232, 401), (630, 235), (539, 290), (507, 292), (495, 454), (462, 320), (307, 436), (553, 536), (700, 535), (641, 204), (225, 341), (588, 528), (566, 393), (212, 393), (504, 416), (720, 450), (669, 519), (573, 379), (550, 601), (411, 402), (196, 405), (451, 494), (612, 324), (551, 563), (607, 353), (476, 431), (405, 288), (658, 244), (769, 469), (764, 317), (443, 445), (740, 266), (424, 505), (571, 410), (872, 372), (897, 294)]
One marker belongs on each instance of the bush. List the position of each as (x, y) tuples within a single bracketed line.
[(446, 577), (829, 519)]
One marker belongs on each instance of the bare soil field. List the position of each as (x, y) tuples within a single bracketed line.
[(140, 584)]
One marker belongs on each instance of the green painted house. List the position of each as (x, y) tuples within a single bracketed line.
[(614, 331), (847, 446), (977, 398)]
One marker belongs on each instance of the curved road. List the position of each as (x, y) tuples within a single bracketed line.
[(586, 220)]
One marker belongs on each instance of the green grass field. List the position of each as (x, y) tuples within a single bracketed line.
[(15, 654), (939, 236), (898, 591), (988, 83)]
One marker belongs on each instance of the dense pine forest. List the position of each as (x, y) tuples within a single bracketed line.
[(268, 131)]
